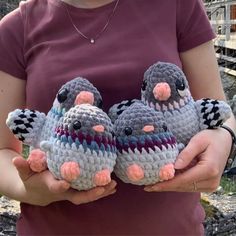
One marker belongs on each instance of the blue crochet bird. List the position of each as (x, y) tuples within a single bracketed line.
[(146, 149), (31, 127), (165, 88), (83, 150)]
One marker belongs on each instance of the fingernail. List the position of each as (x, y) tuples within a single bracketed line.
[(114, 191), (65, 185), (179, 163), (148, 189), (100, 191), (113, 185)]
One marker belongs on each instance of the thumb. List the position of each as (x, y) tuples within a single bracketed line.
[(22, 167), (195, 147)]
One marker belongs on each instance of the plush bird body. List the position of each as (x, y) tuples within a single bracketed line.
[(31, 127), (83, 150), (165, 88), (146, 148)]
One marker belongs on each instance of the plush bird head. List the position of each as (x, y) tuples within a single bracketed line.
[(79, 90), (32, 127), (87, 126), (165, 87), (141, 127)]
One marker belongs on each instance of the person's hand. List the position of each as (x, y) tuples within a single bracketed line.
[(210, 149), (43, 189)]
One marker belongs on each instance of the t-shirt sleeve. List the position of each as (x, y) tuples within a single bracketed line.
[(193, 26), (12, 45)]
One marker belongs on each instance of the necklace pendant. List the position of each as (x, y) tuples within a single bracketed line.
[(92, 41)]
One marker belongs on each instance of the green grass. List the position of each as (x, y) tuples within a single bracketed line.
[(25, 152), (228, 185)]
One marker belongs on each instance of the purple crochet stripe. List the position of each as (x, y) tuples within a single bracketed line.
[(148, 144), (88, 138)]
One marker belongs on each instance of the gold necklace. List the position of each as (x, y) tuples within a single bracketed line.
[(92, 39)]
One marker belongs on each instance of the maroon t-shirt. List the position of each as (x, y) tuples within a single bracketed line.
[(39, 44)]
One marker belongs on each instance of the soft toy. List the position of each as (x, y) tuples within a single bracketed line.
[(83, 150), (32, 127), (165, 88), (146, 149)]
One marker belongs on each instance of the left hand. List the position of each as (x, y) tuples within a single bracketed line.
[(210, 149)]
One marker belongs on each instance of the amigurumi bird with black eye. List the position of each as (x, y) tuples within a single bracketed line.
[(165, 88), (146, 149), (83, 150), (31, 127)]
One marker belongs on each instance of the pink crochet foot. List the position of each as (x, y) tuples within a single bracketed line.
[(37, 160), (167, 172), (102, 177), (70, 171), (135, 172)]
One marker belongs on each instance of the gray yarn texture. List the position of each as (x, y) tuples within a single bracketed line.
[(184, 116), (91, 150), (150, 151), (31, 127)]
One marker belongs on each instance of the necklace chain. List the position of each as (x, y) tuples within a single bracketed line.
[(92, 39)]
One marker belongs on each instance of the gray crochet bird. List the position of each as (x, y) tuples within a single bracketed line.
[(146, 149), (165, 88), (83, 150), (31, 127)]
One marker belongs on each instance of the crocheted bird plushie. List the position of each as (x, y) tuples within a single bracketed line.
[(146, 149), (165, 88), (83, 150), (31, 127)]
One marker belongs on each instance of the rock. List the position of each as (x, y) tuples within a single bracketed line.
[(223, 220), (9, 212)]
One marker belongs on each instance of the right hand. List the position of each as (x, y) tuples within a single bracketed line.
[(42, 188)]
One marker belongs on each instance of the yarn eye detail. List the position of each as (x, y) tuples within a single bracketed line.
[(128, 131), (100, 103), (181, 87), (76, 125), (144, 85), (62, 95), (164, 127)]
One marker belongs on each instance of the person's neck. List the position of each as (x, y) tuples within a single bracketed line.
[(87, 3)]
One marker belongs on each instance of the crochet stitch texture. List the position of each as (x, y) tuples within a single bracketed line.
[(77, 141), (148, 149), (184, 116), (31, 127)]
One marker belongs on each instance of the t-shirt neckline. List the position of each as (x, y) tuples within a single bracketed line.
[(72, 8)]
